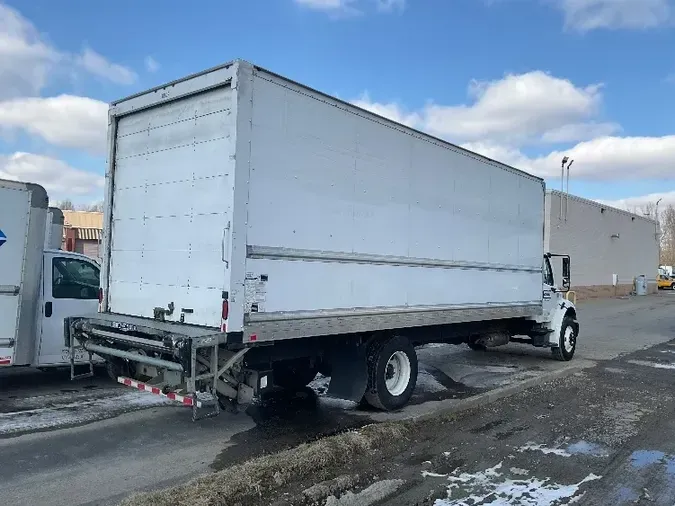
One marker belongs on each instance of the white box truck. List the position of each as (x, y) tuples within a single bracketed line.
[(258, 231), (39, 284)]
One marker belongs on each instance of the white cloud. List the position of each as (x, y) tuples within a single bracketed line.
[(390, 5), (151, 65), (351, 7), (603, 158), (518, 109), (390, 111), (521, 109), (641, 202), (614, 158), (586, 15), (28, 60), (66, 120), (25, 59), (99, 66), (58, 178), (508, 115)]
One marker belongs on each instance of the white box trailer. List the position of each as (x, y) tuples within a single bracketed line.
[(40, 285), (292, 232)]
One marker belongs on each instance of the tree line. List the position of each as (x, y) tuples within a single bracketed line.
[(67, 205)]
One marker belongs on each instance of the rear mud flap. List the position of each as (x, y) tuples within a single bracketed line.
[(349, 377)]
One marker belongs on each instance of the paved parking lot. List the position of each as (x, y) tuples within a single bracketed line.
[(116, 441)]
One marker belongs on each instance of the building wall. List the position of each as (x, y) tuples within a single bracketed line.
[(87, 247), (586, 232)]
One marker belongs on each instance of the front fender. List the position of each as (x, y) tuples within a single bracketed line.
[(563, 308)]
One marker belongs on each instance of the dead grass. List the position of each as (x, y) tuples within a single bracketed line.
[(246, 483)]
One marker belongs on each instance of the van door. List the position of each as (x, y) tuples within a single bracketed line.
[(70, 288)]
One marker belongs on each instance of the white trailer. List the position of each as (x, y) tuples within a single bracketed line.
[(258, 231), (39, 284)]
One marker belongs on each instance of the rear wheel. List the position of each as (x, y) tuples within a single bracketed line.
[(392, 373), (567, 340)]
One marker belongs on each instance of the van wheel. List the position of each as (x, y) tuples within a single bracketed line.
[(567, 340), (293, 374), (392, 373)]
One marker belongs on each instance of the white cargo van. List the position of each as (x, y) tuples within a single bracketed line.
[(39, 284), (258, 231)]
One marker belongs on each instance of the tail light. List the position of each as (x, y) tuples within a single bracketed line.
[(226, 309), (100, 295)]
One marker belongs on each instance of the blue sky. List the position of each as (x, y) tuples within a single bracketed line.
[(523, 81)]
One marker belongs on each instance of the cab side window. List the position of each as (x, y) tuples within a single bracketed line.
[(74, 279)]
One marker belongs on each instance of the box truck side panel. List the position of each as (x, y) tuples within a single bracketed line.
[(352, 216), (23, 215), (172, 207)]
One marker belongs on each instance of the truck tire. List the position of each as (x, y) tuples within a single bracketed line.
[(392, 373), (294, 375), (567, 340)]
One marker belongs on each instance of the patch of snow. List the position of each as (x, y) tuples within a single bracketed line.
[(578, 448), (320, 384), (77, 412), (375, 493), (655, 365), (427, 383), (428, 474), (492, 488), (544, 449), (519, 471)]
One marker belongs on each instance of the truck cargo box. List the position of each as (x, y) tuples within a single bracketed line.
[(242, 201), (23, 214)]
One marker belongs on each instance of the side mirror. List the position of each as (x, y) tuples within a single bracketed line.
[(566, 273)]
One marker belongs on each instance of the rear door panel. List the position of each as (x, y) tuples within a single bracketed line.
[(172, 209)]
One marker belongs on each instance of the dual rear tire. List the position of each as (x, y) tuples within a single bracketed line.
[(392, 373)]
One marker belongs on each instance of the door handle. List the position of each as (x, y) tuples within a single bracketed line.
[(48, 309), (225, 248)]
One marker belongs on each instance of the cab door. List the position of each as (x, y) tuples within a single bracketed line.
[(70, 288)]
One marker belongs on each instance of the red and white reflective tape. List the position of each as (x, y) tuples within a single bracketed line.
[(185, 400)]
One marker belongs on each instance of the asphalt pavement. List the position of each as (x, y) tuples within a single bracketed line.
[(94, 443)]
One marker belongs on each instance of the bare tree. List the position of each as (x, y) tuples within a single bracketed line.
[(66, 205), (97, 207), (667, 222)]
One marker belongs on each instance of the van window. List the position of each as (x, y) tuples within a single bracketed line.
[(74, 279)]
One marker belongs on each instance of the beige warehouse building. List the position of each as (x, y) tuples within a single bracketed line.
[(605, 244)]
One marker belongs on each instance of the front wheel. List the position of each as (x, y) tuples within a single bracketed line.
[(392, 373), (567, 340)]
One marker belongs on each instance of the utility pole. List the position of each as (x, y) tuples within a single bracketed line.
[(564, 163), (658, 228)]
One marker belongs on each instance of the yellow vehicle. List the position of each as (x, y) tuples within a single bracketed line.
[(663, 281)]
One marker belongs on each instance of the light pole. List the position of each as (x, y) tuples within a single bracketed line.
[(658, 228), (565, 162)]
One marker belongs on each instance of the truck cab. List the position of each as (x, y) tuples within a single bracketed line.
[(40, 285)]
